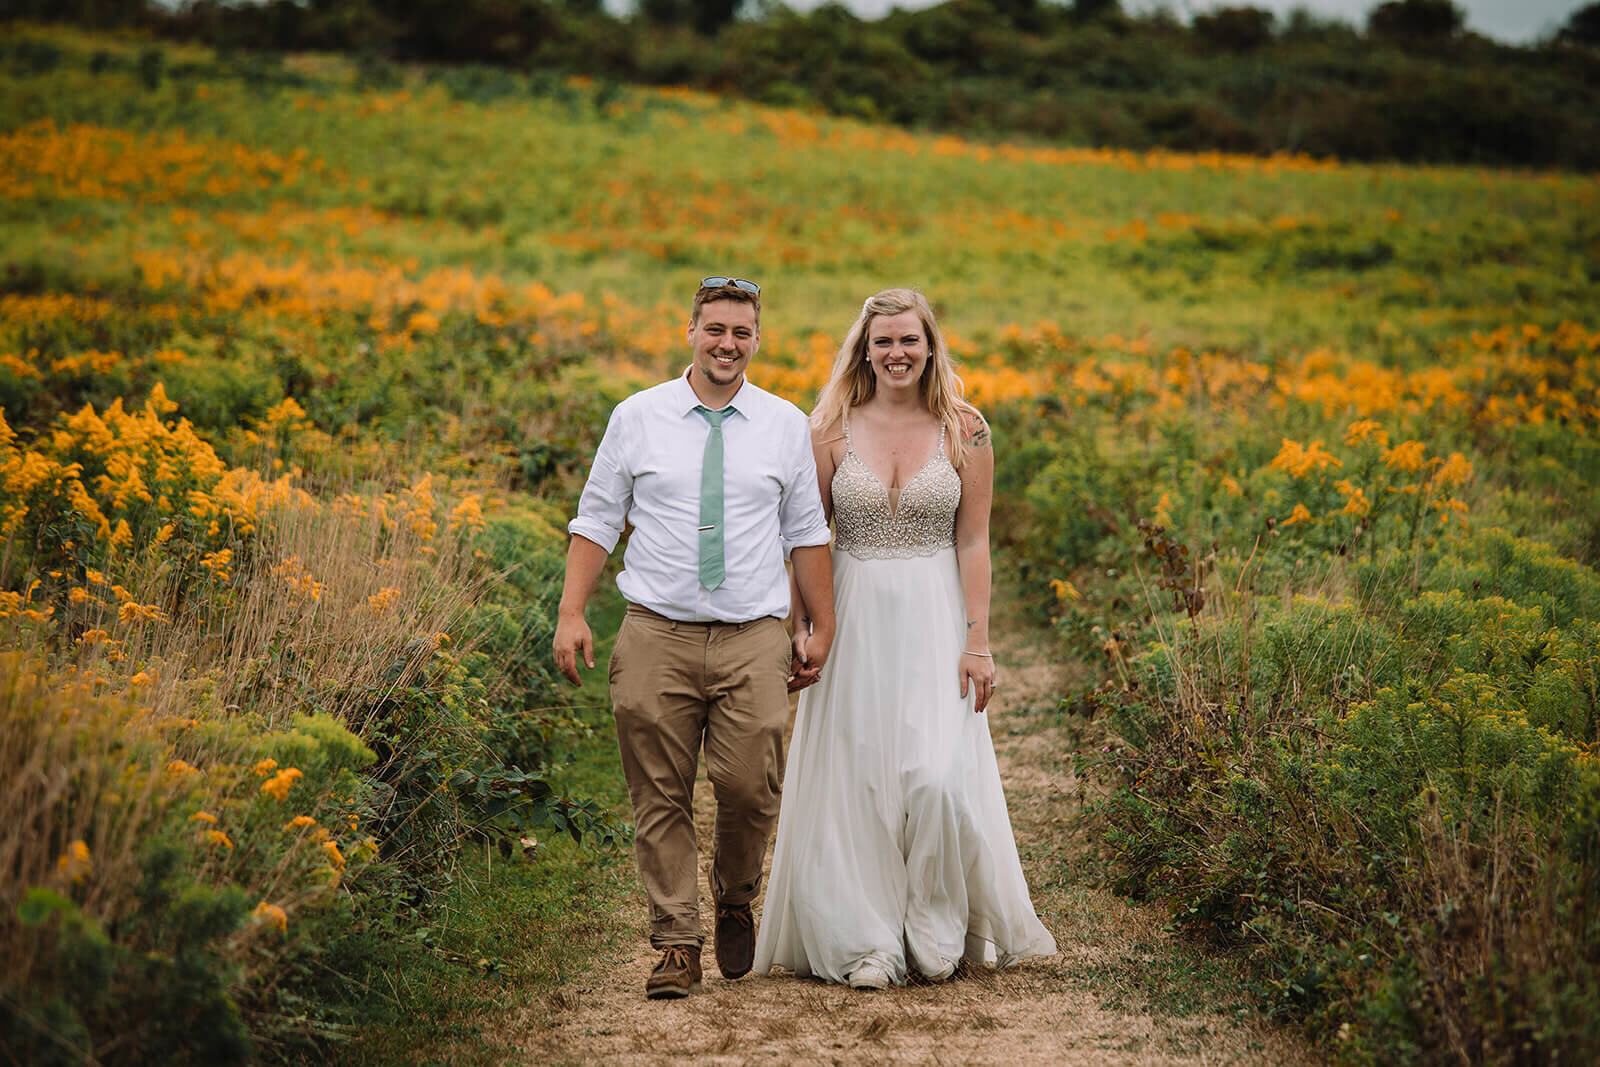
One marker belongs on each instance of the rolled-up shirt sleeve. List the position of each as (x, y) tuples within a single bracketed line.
[(608, 494), (801, 521)]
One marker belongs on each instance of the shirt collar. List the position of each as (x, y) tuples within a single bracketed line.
[(685, 400)]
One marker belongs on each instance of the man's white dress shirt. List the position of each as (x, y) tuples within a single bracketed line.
[(647, 472)]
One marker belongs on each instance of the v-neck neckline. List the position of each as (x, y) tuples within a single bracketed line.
[(893, 495)]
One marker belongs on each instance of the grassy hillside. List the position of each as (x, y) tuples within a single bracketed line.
[(300, 375)]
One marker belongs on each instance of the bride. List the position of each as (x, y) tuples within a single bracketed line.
[(894, 850)]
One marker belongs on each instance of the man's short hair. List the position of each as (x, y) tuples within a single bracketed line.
[(727, 291)]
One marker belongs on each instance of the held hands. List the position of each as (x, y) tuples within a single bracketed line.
[(811, 647), (977, 668), (573, 638)]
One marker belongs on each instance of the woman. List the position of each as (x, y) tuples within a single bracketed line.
[(894, 850)]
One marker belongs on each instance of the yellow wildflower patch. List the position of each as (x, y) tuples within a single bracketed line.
[(272, 915), (279, 784), (1405, 456), (1297, 460)]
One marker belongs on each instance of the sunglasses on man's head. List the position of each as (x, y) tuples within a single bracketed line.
[(716, 281)]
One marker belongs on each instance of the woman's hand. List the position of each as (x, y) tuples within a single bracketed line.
[(801, 672), (977, 669)]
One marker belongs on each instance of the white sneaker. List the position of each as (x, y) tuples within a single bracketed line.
[(945, 970), (869, 975)]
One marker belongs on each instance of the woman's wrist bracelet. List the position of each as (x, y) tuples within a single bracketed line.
[(969, 652)]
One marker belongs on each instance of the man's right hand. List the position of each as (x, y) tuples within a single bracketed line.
[(573, 638)]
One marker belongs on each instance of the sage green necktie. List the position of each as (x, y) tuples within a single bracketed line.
[(712, 569)]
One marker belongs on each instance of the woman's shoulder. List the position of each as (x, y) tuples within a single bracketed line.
[(974, 427), (825, 429)]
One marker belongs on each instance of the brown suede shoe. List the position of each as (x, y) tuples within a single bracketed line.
[(677, 975), (736, 939)]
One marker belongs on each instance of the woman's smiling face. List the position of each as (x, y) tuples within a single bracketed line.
[(897, 348)]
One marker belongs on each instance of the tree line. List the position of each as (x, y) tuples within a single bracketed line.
[(1412, 84)]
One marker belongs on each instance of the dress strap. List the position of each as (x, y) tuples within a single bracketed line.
[(848, 445)]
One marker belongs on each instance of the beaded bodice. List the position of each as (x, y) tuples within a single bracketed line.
[(869, 525)]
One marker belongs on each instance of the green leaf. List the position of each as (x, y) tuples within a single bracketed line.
[(39, 904)]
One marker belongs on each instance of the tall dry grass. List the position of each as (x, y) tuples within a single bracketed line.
[(123, 729)]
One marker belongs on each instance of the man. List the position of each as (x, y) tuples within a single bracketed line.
[(718, 479)]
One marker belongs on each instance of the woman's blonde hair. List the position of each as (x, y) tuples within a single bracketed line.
[(852, 383)]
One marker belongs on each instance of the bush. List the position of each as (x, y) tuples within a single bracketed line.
[(1362, 792), (247, 731)]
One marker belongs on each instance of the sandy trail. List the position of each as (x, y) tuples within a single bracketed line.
[(1119, 991)]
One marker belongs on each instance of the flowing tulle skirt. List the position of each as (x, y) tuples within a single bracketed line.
[(893, 841)]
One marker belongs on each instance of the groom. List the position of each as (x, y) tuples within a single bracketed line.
[(718, 481)]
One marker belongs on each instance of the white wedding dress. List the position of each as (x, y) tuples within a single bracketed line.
[(894, 847)]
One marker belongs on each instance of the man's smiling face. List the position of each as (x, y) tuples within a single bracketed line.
[(723, 339)]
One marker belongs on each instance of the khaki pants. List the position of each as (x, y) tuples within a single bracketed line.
[(672, 685)]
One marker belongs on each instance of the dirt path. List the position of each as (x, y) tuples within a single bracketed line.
[(1120, 991)]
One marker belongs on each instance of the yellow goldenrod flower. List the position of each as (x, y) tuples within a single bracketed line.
[(1405, 456), (218, 562), (1064, 590), (467, 515), (271, 913), (1298, 460), (1457, 470), (1357, 504), (299, 822), (383, 599), (217, 837), (1299, 514), (1364, 430), (203, 816), (75, 863), (265, 767), (1163, 510), (132, 612), (335, 857), (278, 785), (180, 768)]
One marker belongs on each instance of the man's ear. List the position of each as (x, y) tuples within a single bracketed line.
[(688, 332)]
